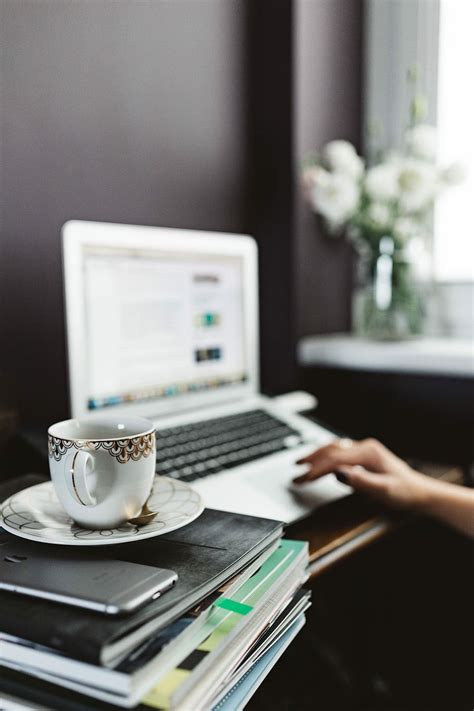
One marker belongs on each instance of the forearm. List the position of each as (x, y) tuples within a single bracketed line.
[(451, 504)]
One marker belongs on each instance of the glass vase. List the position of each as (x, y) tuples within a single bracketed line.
[(388, 304)]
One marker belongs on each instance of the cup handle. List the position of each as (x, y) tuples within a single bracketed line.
[(76, 478)]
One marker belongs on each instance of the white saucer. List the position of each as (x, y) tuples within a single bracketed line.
[(35, 513)]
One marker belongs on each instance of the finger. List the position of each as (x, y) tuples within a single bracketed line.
[(367, 482), (336, 451), (333, 456), (323, 460), (320, 452), (326, 459), (344, 443), (323, 465)]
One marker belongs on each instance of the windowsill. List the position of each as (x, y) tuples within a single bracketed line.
[(452, 357), (453, 282)]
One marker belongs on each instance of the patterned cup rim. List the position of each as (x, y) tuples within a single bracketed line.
[(114, 438), (123, 450)]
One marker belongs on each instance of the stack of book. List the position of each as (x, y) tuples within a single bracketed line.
[(207, 643)]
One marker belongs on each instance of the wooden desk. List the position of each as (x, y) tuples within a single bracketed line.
[(347, 525)]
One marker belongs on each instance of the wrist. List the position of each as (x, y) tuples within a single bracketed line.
[(432, 495), (425, 493)]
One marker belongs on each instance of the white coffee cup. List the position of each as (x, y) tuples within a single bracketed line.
[(102, 468)]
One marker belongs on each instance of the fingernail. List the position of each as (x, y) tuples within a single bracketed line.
[(340, 476)]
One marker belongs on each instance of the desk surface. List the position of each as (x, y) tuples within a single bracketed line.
[(347, 525)]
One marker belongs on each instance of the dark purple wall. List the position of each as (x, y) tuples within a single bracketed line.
[(117, 111), (167, 113), (328, 89)]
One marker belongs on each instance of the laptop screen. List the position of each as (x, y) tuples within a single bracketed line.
[(161, 324)]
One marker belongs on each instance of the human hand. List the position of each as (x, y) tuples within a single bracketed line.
[(369, 467)]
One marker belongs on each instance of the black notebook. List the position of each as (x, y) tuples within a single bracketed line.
[(205, 553), (20, 687)]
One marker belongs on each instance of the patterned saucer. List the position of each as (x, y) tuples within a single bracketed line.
[(35, 513)]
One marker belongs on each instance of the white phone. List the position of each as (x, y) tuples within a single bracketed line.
[(109, 586)]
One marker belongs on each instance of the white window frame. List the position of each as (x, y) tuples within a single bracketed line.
[(400, 34), (454, 228)]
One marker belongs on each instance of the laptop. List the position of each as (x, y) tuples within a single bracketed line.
[(164, 323)]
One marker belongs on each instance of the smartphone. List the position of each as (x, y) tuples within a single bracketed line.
[(89, 581)]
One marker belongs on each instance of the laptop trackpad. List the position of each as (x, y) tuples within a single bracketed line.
[(278, 483), (319, 492)]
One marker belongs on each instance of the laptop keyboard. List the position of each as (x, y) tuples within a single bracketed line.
[(211, 446)]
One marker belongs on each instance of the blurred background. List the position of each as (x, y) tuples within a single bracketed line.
[(202, 114), (339, 133)]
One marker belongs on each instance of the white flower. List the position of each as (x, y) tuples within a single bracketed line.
[(338, 153), (335, 197), (417, 185), (381, 182), (453, 174), (421, 141), (341, 157), (379, 213), (309, 178), (406, 228)]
